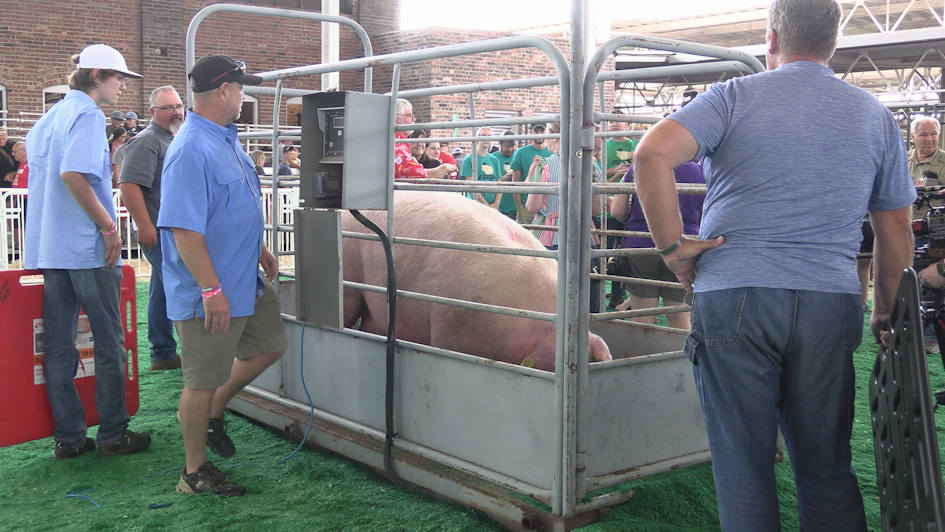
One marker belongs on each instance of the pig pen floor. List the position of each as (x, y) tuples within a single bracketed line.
[(316, 490)]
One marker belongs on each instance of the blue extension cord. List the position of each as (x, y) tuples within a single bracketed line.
[(311, 406)]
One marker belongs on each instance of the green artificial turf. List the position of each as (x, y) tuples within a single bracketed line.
[(316, 490)]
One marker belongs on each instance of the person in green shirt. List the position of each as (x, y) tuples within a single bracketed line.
[(521, 162), (619, 152), (489, 169), (504, 158)]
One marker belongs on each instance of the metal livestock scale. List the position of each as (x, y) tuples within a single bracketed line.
[(535, 450)]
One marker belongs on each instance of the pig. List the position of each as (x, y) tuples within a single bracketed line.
[(507, 280)]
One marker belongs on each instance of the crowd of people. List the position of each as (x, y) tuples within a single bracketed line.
[(771, 343)]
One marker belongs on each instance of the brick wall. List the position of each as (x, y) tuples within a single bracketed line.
[(150, 34), (39, 37)]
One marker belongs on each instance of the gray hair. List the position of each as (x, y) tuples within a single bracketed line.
[(806, 27), (403, 105), (924, 119), (164, 88)]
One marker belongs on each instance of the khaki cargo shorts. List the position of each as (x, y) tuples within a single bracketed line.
[(207, 358)]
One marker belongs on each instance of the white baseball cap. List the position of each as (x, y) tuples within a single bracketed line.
[(105, 57)]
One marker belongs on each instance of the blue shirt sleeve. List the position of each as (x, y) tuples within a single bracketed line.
[(185, 196), (85, 148), (706, 118)]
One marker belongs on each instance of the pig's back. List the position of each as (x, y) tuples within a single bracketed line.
[(509, 280)]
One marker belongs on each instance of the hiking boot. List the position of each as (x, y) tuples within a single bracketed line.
[(173, 363), (208, 479), (931, 347), (129, 442), (65, 450), (217, 440)]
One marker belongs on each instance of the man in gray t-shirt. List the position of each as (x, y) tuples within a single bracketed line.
[(794, 158), (140, 183)]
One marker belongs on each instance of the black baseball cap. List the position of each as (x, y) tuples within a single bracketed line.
[(540, 126), (209, 72)]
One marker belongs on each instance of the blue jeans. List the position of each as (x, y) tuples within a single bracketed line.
[(160, 329), (767, 358), (97, 291)]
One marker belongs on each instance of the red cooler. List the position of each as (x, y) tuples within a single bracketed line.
[(24, 407)]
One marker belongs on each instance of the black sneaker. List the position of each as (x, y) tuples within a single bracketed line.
[(65, 450), (129, 442), (217, 440), (208, 479)]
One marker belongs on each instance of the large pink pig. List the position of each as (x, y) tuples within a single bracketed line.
[(506, 280)]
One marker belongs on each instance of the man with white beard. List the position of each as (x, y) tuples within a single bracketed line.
[(140, 183), (927, 160)]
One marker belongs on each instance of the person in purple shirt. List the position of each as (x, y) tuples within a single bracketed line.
[(626, 208)]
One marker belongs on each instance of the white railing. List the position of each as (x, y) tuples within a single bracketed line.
[(11, 230), (12, 226), (288, 202), (265, 144)]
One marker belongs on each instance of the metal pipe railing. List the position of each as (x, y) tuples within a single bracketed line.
[(440, 244), (273, 12), (485, 86), (498, 309), (583, 123)]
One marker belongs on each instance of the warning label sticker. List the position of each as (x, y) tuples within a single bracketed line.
[(83, 343)]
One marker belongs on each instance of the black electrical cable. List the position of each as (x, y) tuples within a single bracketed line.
[(391, 343)]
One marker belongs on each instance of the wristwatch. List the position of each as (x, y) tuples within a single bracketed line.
[(941, 268)]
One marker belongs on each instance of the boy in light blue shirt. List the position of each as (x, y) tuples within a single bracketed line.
[(72, 236)]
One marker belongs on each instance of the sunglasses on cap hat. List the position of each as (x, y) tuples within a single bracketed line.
[(211, 71), (240, 67)]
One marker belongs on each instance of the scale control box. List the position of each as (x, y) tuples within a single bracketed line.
[(345, 139)]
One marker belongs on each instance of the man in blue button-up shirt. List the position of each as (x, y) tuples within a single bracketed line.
[(226, 313)]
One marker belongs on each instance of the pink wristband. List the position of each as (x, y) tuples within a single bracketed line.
[(211, 293), (110, 231)]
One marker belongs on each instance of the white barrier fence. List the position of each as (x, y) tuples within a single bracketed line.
[(15, 205)]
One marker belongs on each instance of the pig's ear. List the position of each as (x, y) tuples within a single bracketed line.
[(543, 357), (598, 348)]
